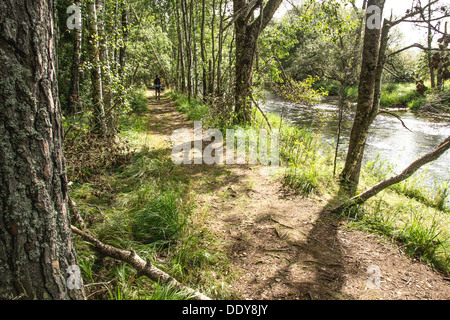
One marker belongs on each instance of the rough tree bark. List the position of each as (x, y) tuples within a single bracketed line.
[(36, 244)]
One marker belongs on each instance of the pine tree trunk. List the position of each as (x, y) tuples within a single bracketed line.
[(36, 242)]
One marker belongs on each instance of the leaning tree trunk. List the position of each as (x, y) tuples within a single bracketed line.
[(36, 242), (405, 174)]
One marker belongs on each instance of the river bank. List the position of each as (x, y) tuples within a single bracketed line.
[(403, 96), (389, 141), (233, 232), (289, 212)]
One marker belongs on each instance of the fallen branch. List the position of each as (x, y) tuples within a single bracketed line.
[(130, 257), (145, 268), (77, 215), (408, 172)]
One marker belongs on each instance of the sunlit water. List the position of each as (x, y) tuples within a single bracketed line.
[(388, 138)]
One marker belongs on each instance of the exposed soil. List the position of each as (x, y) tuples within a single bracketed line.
[(284, 246)]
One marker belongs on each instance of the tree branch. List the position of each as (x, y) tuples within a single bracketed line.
[(244, 11), (145, 268), (267, 13), (408, 172), (412, 13), (397, 116), (415, 45)]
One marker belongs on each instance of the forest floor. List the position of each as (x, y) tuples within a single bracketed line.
[(283, 246)]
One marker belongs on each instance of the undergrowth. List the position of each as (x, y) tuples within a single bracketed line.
[(143, 202)]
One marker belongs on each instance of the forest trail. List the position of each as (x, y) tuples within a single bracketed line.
[(283, 246)]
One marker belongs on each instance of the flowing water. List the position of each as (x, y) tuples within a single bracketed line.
[(387, 138)]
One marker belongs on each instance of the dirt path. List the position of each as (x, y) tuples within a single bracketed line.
[(288, 247)]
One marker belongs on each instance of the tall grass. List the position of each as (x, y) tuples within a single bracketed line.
[(394, 95), (136, 101), (402, 97), (145, 204), (420, 231), (194, 108), (415, 187), (160, 221)]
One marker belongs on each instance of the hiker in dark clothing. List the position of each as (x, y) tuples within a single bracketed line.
[(157, 85)]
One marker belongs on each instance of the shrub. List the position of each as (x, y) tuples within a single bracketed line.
[(137, 101)]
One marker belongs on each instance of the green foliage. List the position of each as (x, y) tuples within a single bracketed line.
[(307, 160), (394, 95), (136, 100), (160, 221), (421, 239), (415, 187), (400, 96), (301, 91), (151, 47), (421, 232), (193, 108)]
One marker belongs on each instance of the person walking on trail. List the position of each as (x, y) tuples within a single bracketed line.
[(157, 85)]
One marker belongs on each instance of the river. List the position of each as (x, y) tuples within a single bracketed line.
[(387, 138)]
